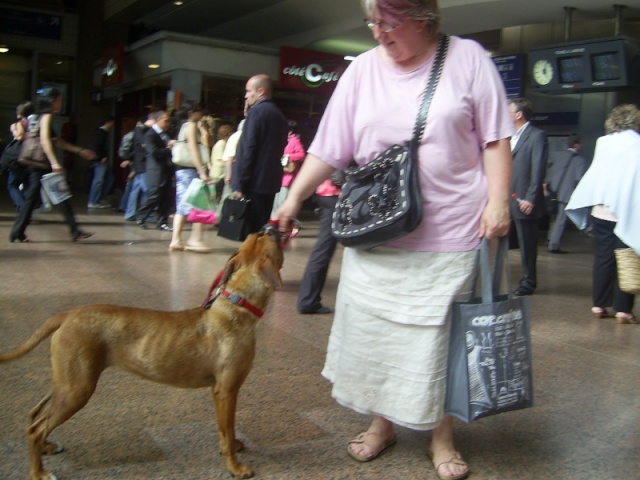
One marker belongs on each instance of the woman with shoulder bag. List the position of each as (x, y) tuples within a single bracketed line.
[(44, 160), (387, 351), (16, 173), (189, 141)]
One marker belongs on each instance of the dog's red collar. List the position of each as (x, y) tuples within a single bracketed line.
[(241, 302), (235, 299)]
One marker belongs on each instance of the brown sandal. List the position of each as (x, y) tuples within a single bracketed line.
[(381, 444), (455, 460)]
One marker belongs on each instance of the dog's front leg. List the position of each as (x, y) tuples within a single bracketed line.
[(225, 400)]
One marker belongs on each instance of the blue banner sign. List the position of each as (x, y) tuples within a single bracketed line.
[(510, 69), (30, 24)]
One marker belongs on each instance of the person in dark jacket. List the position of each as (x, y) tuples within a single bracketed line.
[(257, 171), (529, 151), (159, 172), (102, 169), (565, 169), (139, 187)]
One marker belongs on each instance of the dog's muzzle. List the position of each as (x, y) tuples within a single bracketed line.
[(283, 237), (271, 230)]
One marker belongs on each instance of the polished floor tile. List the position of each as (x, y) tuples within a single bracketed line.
[(585, 423)]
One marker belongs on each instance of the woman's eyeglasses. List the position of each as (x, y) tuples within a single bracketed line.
[(382, 25)]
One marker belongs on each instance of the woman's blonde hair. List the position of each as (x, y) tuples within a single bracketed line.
[(402, 9), (623, 117)]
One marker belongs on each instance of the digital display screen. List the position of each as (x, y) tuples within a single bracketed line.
[(605, 66), (571, 69)]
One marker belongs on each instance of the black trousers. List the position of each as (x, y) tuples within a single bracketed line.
[(260, 211), (160, 192), (31, 198), (527, 231), (315, 274), (606, 291)]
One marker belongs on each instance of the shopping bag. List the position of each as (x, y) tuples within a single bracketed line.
[(56, 188), (200, 195), (490, 362), (202, 216), (233, 222)]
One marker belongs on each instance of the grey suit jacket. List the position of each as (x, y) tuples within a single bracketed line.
[(529, 168), (560, 182)]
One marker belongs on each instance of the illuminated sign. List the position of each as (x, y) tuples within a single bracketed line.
[(112, 65), (309, 71)]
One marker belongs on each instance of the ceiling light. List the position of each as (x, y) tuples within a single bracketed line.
[(178, 3), (4, 49), (349, 58), (153, 65)]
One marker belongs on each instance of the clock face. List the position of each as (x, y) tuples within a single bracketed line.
[(542, 72)]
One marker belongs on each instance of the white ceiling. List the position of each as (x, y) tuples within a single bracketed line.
[(336, 25)]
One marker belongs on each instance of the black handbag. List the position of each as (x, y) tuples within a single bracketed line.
[(381, 201), (10, 154), (234, 216)]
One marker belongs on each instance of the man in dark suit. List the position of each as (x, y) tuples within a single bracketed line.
[(159, 169), (566, 168), (257, 170), (529, 150)]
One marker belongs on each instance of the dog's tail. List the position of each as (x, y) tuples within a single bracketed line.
[(41, 334)]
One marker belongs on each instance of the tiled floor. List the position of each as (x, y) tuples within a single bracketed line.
[(585, 424)]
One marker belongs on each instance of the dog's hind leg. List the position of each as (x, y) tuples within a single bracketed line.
[(48, 448), (225, 400), (73, 384)]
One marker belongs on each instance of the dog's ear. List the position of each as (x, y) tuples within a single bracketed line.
[(229, 268), (270, 273)]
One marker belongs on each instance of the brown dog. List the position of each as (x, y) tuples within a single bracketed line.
[(202, 347)]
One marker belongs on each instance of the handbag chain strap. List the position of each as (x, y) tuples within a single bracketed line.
[(434, 78)]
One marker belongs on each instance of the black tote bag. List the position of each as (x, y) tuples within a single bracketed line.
[(490, 363)]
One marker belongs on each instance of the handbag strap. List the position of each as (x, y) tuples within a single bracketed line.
[(434, 78), (491, 287)]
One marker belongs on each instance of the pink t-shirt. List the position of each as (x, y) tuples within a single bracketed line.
[(375, 106)]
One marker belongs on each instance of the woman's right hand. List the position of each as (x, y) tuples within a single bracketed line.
[(286, 213), (57, 168)]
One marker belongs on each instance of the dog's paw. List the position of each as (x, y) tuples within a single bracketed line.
[(242, 471), (238, 446), (51, 448)]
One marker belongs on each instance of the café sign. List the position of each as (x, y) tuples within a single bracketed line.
[(309, 71)]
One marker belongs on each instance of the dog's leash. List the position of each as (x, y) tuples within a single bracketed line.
[(237, 299)]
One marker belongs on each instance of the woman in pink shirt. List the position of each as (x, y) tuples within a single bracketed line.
[(387, 352), (292, 158)]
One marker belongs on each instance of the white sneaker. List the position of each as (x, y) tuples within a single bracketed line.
[(98, 205)]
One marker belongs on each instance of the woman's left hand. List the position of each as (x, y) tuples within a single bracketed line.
[(494, 221)]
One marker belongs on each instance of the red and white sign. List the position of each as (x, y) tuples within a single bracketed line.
[(309, 71)]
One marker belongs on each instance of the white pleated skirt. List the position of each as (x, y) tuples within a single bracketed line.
[(387, 351)]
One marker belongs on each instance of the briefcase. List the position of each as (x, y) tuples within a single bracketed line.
[(234, 219)]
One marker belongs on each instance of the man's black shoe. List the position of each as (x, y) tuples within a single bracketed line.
[(557, 250), (522, 292), (321, 309)]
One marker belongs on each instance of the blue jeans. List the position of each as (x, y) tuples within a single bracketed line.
[(137, 196), (14, 179), (102, 182)]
